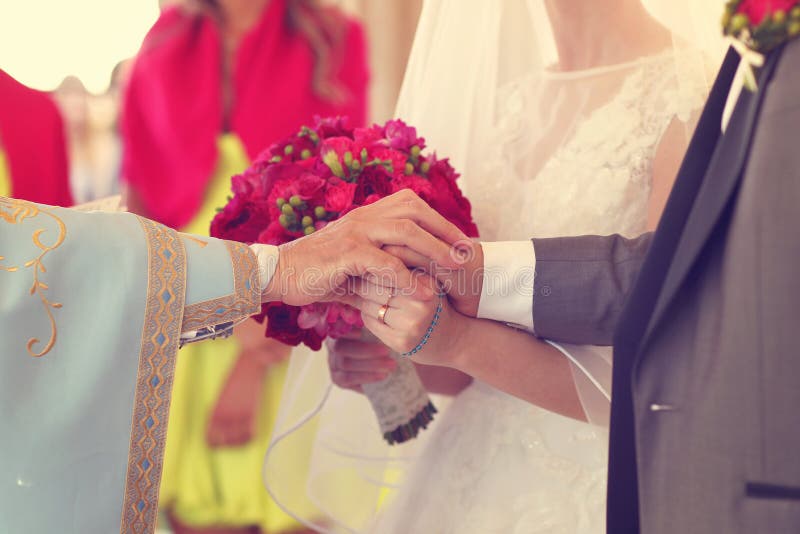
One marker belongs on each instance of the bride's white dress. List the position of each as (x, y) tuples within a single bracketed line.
[(494, 463)]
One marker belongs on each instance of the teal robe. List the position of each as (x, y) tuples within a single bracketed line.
[(93, 308)]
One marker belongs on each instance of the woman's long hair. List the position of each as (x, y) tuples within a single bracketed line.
[(324, 28)]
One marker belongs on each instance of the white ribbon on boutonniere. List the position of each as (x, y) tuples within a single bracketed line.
[(751, 60), (756, 27)]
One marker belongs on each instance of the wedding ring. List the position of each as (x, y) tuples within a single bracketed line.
[(382, 313)]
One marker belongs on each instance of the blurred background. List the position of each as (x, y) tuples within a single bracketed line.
[(79, 52)]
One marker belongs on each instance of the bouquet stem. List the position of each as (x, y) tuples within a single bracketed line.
[(401, 403)]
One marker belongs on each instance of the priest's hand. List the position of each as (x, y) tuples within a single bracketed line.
[(319, 267)]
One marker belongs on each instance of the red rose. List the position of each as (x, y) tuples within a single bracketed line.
[(419, 185), (368, 137), (274, 234), (276, 174), (373, 181), (448, 200), (339, 195), (229, 217), (340, 145), (756, 10), (398, 159), (308, 185), (241, 220), (307, 164), (241, 186), (333, 127), (282, 325)]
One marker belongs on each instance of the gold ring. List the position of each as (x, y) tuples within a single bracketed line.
[(382, 313)]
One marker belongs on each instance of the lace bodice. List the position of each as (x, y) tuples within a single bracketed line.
[(598, 179)]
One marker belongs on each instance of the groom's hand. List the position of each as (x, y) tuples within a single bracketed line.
[(318, 267), (463, 285)]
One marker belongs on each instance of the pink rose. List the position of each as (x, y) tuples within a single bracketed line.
[(401, 136), (421, 186), (395, 157), (314, 317), (368, 137), (343, 319), (308, 185), (339, 195)]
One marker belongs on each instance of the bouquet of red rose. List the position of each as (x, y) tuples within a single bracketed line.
[(300, 184)]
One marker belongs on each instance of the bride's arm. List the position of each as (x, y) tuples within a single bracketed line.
[(508, 359), (443, 380)]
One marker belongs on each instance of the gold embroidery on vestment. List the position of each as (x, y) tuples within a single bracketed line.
[(14, 211), (197, 241)]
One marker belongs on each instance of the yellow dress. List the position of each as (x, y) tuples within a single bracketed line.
[(5, 176), (220, 486)]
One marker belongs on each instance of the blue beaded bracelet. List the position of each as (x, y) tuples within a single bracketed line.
[(431, 328)]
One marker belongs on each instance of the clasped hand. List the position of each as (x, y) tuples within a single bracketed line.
[(366, 259), (319, 267)]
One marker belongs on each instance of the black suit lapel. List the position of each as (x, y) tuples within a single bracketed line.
[(724, 175)]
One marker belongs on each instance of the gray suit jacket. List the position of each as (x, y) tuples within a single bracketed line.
[(705, 429)]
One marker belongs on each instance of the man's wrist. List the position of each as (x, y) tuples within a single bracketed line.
[(507, 283), (269, 271), (466, 296)]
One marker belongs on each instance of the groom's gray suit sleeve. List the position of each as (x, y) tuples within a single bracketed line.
[(582, 283)]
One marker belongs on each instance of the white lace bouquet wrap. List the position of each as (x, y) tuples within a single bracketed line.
[(400, 402)]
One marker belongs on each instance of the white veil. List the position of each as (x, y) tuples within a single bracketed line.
[(465, 90)]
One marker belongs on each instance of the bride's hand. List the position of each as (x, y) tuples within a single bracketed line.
[(405, 322), (353, 361)]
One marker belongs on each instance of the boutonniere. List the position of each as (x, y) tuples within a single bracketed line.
[(756, 27)]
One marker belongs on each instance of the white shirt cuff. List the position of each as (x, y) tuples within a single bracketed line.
[(267, 256), (507, 292)]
